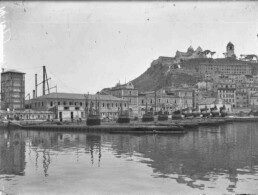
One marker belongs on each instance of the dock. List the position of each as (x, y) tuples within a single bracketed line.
[(180, 126)]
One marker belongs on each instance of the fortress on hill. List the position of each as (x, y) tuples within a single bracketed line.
[(201, 55)]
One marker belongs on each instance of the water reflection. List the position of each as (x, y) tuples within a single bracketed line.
[(12, 153), (200, 159)]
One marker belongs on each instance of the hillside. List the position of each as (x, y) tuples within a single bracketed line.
[(160, 75), (162, 72)]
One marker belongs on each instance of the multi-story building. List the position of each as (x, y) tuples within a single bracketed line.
[(126, 92), (254, 100), (225, 66), (69, 106), (227, 92), (12, 90), (242, 98), (166, 100)]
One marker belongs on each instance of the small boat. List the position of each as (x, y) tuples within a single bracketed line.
[(176, 115), (196, 113), (205, 112), (123, 117), (187, 112), (147, 117), (93, 119), (223, 111), (215, 111)]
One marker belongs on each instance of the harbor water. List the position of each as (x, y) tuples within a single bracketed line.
[(207, 160)]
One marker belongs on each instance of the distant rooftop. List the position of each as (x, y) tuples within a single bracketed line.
[(12, 71)]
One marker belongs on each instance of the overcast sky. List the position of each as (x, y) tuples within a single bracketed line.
[(87, 46)]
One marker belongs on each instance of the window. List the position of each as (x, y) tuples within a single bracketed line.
[(77, 108), (80, 103), (103, 105), (70, 103), (58, 103), (125, 105), (66, 108), (64, 103), (51, 103)]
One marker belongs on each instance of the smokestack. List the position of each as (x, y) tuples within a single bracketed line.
[(34, 96)]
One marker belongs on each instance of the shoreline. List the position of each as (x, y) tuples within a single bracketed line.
[(156, 127)]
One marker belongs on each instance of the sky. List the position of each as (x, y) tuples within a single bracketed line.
[(87, 46)]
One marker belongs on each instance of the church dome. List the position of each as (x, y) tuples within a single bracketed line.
[(190, 49)]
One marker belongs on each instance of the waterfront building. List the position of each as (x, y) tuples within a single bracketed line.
[(70, 106), (27, 114), (254, 100), (167, 99), (212, 102), (12, 90), (242, 98), (227, 92), (127, 92)]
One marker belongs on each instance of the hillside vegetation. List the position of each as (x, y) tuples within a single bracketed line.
[(159, 76)]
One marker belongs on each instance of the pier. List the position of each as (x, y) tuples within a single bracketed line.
[(154, 127)]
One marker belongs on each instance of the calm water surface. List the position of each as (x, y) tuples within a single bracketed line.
[(210, 160)]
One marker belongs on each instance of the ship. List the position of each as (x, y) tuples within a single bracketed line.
[(148, 116), (123, 116), (93, 117)]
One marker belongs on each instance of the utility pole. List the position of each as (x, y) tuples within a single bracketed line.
[(36, 85), (155, 101), (43, 84)]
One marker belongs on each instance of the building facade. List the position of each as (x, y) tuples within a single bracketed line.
[(168, 100), (69, 106), (12, 90), (126, 92), (227, 92)]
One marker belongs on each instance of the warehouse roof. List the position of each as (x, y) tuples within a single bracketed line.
[(76, 96)]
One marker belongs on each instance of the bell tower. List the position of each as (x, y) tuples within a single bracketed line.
[(230, 50)]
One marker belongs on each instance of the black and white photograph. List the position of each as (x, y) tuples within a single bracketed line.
[(128, 97)]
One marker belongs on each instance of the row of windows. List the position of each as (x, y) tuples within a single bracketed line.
[(38, 104)]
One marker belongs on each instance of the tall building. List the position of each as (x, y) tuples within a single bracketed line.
[(12, 90)]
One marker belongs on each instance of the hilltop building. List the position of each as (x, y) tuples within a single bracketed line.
[(190, 54), (12, 90)]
